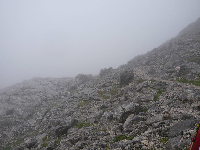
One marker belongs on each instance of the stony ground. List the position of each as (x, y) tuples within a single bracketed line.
[(144, 104)]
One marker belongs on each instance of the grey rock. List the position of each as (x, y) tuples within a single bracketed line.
[(105, 71), (81, 78), (176, 129), (126, 77), (174, 143), (61, 130), (132, 119), (122, 112), (30, 143)]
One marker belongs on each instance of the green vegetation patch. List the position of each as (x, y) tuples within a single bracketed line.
[(159, 92), (106, 97), (44, 144), (122, 137), (82, 103), (193, 59), (10, 146), (101, 93), (197, 83), (188, 52), (144, 109), (57, 141), (114, 90), (197, 40), (164, 140), (185, 148), (83, 124), (121, 94), (153, 81), (45, 141), (140, 80)]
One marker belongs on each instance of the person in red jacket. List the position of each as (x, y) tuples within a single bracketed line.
[(195, 143)]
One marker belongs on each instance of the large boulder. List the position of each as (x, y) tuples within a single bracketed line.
[(82, 78), (61, 130), (124, 111), (126, 77), (131, 120), (181, 126), (178, 143), (105, 71), (30, 143)]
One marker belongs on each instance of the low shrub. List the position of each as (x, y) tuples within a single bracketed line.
[(106, 97), (44, 144), (101, 92), (159, 92), (83, 124), (197, 83), (114, 90), (57, 141), (164, 140), (122, 137), (140, 80), (82, 103)]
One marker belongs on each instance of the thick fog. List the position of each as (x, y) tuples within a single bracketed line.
[(63, 38)]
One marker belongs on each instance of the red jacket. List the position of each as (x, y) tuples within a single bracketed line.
[(196, 145)]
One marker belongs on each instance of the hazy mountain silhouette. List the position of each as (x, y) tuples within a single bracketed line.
[(148, 103)]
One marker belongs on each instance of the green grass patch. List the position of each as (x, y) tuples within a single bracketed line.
[(10, 145), (153, 81), (186, 53), (185, 148), (144, 109), (54, 104), (105, 97), (7, 147), (122, 137), (159, 92), (83, 124), (193, 59), (45, 144), (164, 140), (121, 94), (101, 93), (82, 103), (45, 141), (114, 90), (140, 80), (57, 141), (197, 83), (197, 41), (17, 142)]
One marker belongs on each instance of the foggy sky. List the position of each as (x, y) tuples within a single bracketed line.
[(62, 38)]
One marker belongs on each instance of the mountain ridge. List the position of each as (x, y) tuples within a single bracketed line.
[(145, 104)]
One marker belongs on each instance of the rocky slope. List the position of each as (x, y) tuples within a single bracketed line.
[(144, 104)]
